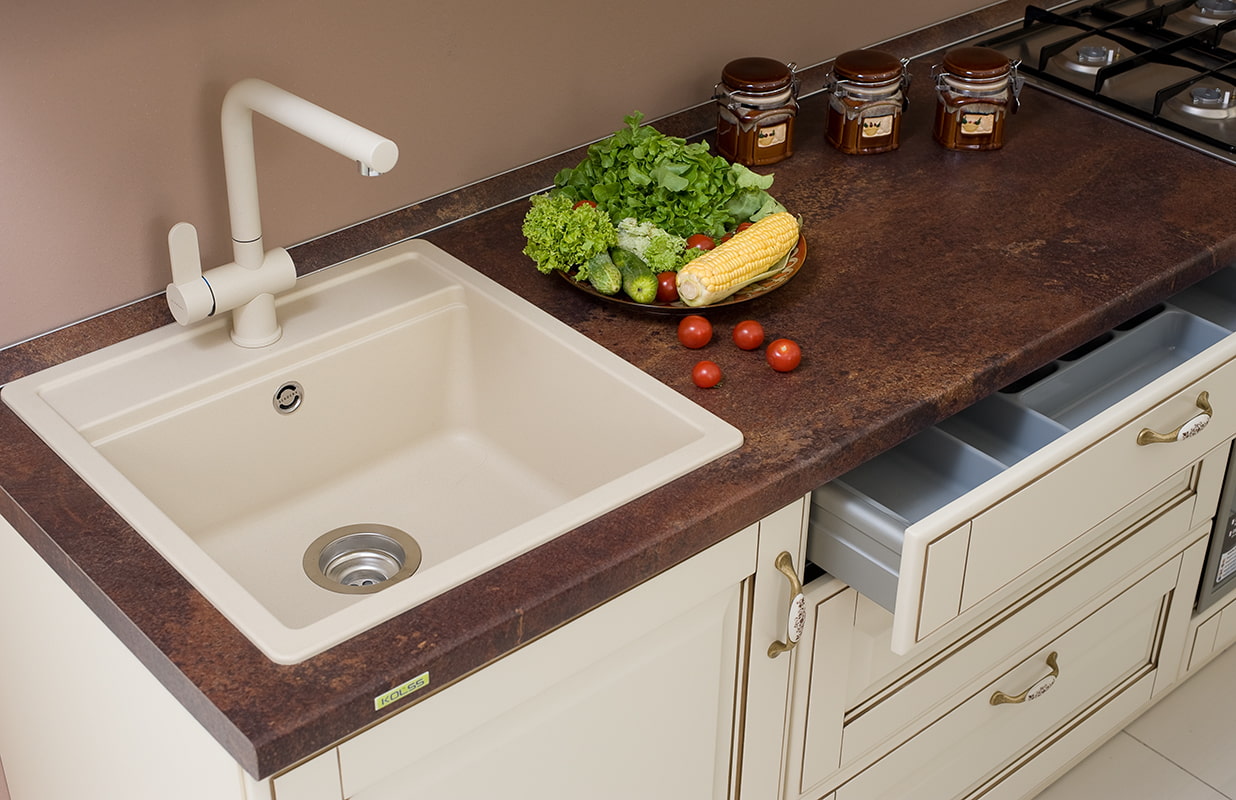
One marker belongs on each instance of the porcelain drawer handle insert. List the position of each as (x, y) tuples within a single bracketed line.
[(1036, 690), (1192, 426), (797, 617)]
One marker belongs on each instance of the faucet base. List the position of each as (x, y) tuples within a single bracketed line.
[(254, 324)]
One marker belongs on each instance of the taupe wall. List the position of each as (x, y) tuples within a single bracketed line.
[(109, 112)]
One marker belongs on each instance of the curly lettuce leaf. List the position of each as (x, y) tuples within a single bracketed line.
[(565, 237)]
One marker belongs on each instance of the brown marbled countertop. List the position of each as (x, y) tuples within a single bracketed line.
[(932, 278)]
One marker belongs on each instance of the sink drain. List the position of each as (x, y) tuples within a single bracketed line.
[(288, 397), (361, 559)]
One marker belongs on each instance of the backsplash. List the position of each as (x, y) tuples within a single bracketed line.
[(117, 138)]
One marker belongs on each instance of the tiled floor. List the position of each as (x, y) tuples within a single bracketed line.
[(1182, 749)]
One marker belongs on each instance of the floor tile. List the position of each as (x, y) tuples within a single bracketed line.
[(1195, 726), (1126, 768)]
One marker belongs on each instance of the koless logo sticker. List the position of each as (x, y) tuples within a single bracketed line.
[(401, 691)]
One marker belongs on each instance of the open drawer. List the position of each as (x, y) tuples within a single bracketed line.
[(956, 518)]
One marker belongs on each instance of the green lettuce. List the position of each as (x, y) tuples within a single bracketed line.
[(640, 172), (660, 249)]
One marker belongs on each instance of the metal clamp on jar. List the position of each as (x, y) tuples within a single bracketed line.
[(757, 100), (866, 99), (977, 88)]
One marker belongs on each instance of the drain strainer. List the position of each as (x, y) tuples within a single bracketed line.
[(361, 559)]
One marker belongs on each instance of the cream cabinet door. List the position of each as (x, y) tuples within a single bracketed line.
[(80, 716), (774, 606), (638, 698)]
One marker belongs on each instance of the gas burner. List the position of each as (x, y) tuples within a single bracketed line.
[(1207, 101), (1140, 61), (1090, 55), (1225, 8), (1210, 12)]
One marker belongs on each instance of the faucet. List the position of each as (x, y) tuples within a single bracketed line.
[(247, 286)]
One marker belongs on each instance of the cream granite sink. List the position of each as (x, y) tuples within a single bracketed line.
[(427, 399)]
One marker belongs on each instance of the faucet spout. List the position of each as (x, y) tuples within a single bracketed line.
[(247, 286), (375, 153)]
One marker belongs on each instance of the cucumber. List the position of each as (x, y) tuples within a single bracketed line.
[(638, 280), (603, 274)]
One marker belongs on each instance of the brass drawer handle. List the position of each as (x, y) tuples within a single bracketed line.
[(797, 617), (1036, 690), (1192, 426)]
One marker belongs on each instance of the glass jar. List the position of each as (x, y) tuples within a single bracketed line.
[(978, 87), (866, 98), (757, 100)]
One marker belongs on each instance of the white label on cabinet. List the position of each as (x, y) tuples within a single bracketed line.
[(402, 690)]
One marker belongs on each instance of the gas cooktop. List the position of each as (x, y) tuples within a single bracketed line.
[(1169, 67)]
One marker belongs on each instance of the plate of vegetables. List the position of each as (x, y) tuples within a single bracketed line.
[(666, 303), (651, 221)]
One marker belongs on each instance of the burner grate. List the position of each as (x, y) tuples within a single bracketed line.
[(1167, 66)]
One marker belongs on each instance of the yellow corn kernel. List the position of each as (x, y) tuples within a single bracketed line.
[(738, 261)]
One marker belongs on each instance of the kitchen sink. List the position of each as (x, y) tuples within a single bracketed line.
[(409, 395)]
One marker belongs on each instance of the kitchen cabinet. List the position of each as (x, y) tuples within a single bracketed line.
[(1041, 556), (917, 322), (80, 717), (663, 691), (869, 723)]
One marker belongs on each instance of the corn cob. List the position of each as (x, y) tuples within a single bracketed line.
[(744, 258)]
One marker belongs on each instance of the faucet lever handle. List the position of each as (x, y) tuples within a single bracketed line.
[(186, 255), (189, 296)]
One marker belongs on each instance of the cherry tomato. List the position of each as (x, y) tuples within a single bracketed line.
[(694, 331), (748, 334), (783, 355), (742, 226), (667, 287), (706, 374), (584, 203), (700, 240)]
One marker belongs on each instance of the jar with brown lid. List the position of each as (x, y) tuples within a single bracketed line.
[(978, 87), (866, 98), (757, 100)]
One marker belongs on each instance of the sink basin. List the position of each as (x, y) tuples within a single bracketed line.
[(408, 393)]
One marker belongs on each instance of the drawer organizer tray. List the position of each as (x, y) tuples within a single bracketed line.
[(859, 522)]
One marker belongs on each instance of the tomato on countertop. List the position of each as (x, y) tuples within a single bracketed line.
[(748, 334), (784, 355), (694, 331), (706, 374)]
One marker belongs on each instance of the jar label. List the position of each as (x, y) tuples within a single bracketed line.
[(877, 126), (975, 124), (771, 136)]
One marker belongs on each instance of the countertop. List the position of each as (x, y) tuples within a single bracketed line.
[(932, 279)]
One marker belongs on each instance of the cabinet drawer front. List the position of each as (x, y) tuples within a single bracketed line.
[(894, 711), (1047, 515), (1112, 653), (1040, 509), (962, 512)]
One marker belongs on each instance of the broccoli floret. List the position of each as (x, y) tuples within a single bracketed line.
[(564, 236), (661, 251)]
